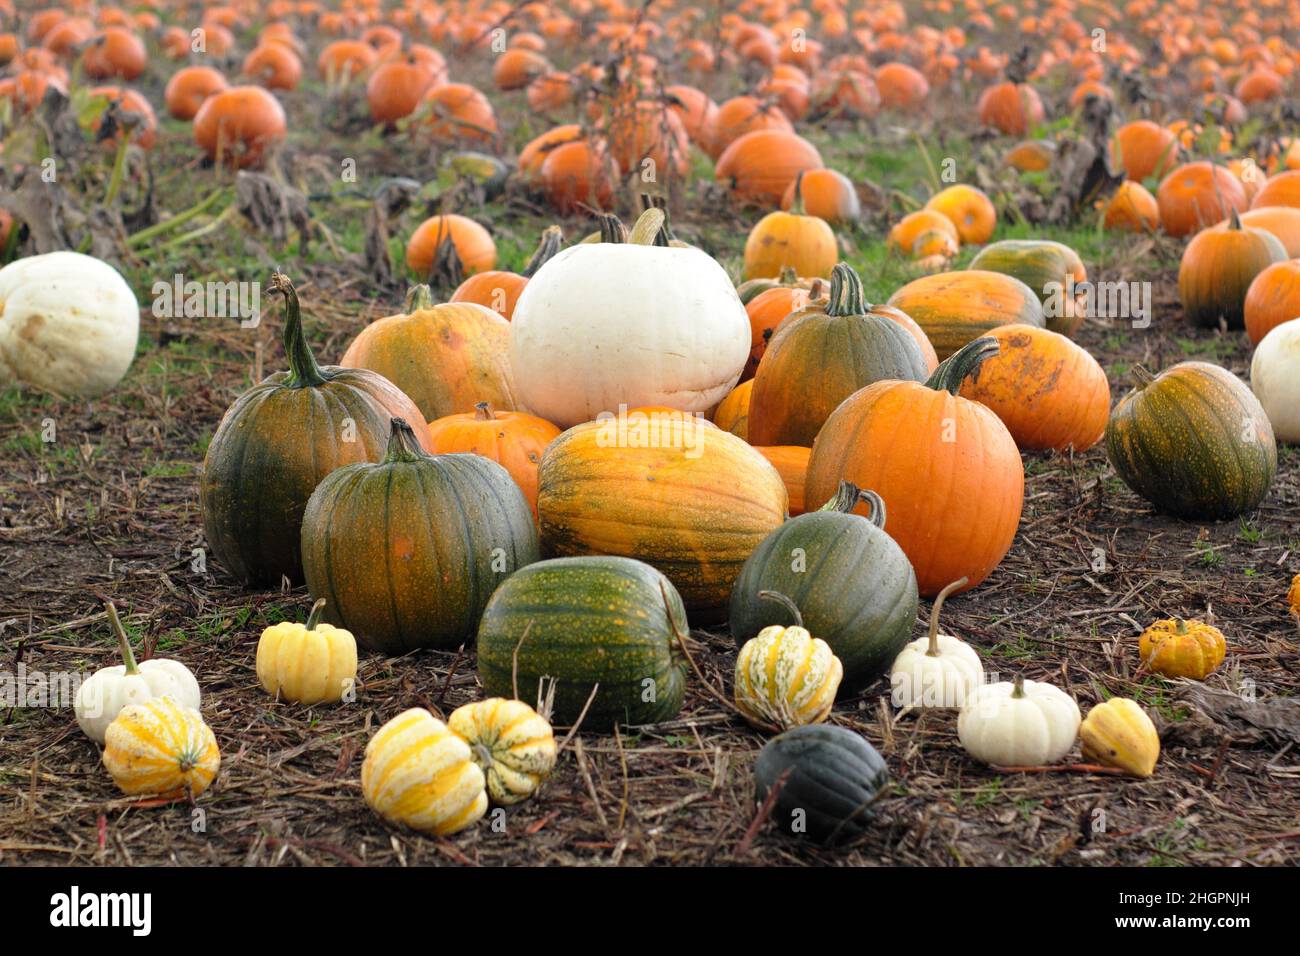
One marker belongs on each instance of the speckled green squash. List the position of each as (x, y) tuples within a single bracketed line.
[(583, 621), (955, 308), (407, 551), (1194, 441), (1046, 267), (852, 583)]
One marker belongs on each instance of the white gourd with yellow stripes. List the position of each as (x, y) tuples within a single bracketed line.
[(785, 677), (161, 748), (418, 773), (310, 663), (512, 744)]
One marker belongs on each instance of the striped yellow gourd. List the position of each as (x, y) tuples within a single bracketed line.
[(511, 743), (786, 678), (418, 773), (161, 748)]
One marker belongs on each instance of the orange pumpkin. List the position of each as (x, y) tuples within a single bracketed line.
[(1273, 298), (514, 440), (538, 148), (738, 116), (239, 124), (1282, 221), (1131, 208), (1011, 108), (759, 167), (115, 53), (969, 209), (473, 244), (1049, 392), (189, 87), (1282, 189), (274, 66), (947, 468), (458, 113), (791, 463), (1217, 269), (1143, 148), (579, 173), (1196, 195), (499, 290), (902, 87), (396, 88), (952, 308), (905, 233), (790, 240), (826, 194), (344, 59), (1031, 156), (732, 413), (766, 311), (516, 68)]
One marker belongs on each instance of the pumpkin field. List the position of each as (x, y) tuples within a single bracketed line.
[(736, 432)]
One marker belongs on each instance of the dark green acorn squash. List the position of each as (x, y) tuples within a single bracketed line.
[(1194, 441), (275, 444), (851, 582), (829, 779), (583, 621), (407, 551)]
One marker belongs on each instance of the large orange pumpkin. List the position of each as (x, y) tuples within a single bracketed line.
[(766, 311), (947, 468), (759, 167), (189, 88), (1049, 392), (1282, 189), (579, 173), (1273, 298), (1197, 195), (514, 440)]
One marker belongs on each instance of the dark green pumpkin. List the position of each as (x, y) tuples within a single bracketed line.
[(275, 444), (406, 552), (1045, 266), (829, 780), (820, 356), (1194, 441), (583, 621), (852, 583)]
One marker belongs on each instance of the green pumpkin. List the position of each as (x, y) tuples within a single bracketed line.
[(751, 289), (1045, 266), (276, 443), (851, 582), (830, 778), (586, 621), (407, 551), (818, 357), (1194, 441)]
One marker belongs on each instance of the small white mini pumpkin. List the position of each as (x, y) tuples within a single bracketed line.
[(1018, 724), (936, 671), (104, 694), (68, 324)]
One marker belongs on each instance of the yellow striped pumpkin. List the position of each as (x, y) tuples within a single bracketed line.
[(954, 308), (310, 663), (418, 773), (785, 677), (511, 743), (161, 748)]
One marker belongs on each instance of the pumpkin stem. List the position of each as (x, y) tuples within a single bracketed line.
[(1141, 377), (933, 649), (1018, 687), (551, 241), (647, 227), (848, 496), (403, 445), (114, 622), (788, 276), (796, 206), (612, 228), (418, 297), (846, 297), (1234, 220), (785, 601), (303, 370), (314, 617), (1181, 628), (963, 363), (483, 412)]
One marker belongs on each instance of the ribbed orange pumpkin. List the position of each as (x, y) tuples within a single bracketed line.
[(1217, 269), (696, 110), (1197, 195), (1273, 298), (766, 311), (1282, 189), (538, 148), (947, 468), (732, 413), (447, 358), (458, 113), (821, 356), (1143, 148), (1132, 208), (1049, 392), (514, 440), (790, 240), (473, 244), (969, 209), (579, 173), (738, 116), (952, 308), (791, 462), (499, 290), (759, 167)]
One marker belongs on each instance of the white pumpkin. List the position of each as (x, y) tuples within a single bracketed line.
[(607, 324), (1275, 379), (1020, 724), (68, 324), (107, 691), (935, 671)]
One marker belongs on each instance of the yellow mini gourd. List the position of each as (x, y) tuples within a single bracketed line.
[(310, 663), (1179, 648), (785, 677), (161, 748), (1293, 597), (1118, 733), (418, 773), (511, 743)]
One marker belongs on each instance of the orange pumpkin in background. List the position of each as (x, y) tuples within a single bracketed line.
[(738, 116), (396, 88), (1132, 208), (1273, 298), (825, 193), (578, 173), (473, 244), (969, 209), (902, 87), (1197, 195), (499, 290), (240, 124), (115, 53), (760, 166), (1282, 189), (1011, 108), (1143, 148), (189, 88), (458, 113), (791, 463)]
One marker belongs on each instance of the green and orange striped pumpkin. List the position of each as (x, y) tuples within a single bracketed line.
[(955, 308), (1045, 266)]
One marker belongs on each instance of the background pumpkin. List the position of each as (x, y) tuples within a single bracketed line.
[(792, 240), (1272, 298), (953, 308), (407, 551), (1197, 195), (275, 444), (1193, 441), (1217, 269), (582, 621), (499, 290), (791, 463), (1049, 392), (1045, 266)]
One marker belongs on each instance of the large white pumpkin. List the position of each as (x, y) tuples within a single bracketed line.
[(68, 324), (1275, 379), (607, 324)]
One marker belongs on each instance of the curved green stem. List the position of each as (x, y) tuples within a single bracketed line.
[(796, 206), (551, 242), (149, 232), (846, 296), (933, 649), (403, 445), (114, 622), (848, 496), (785, 602), (314, 617), (303, 370), (418, 297), (963, 363)]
